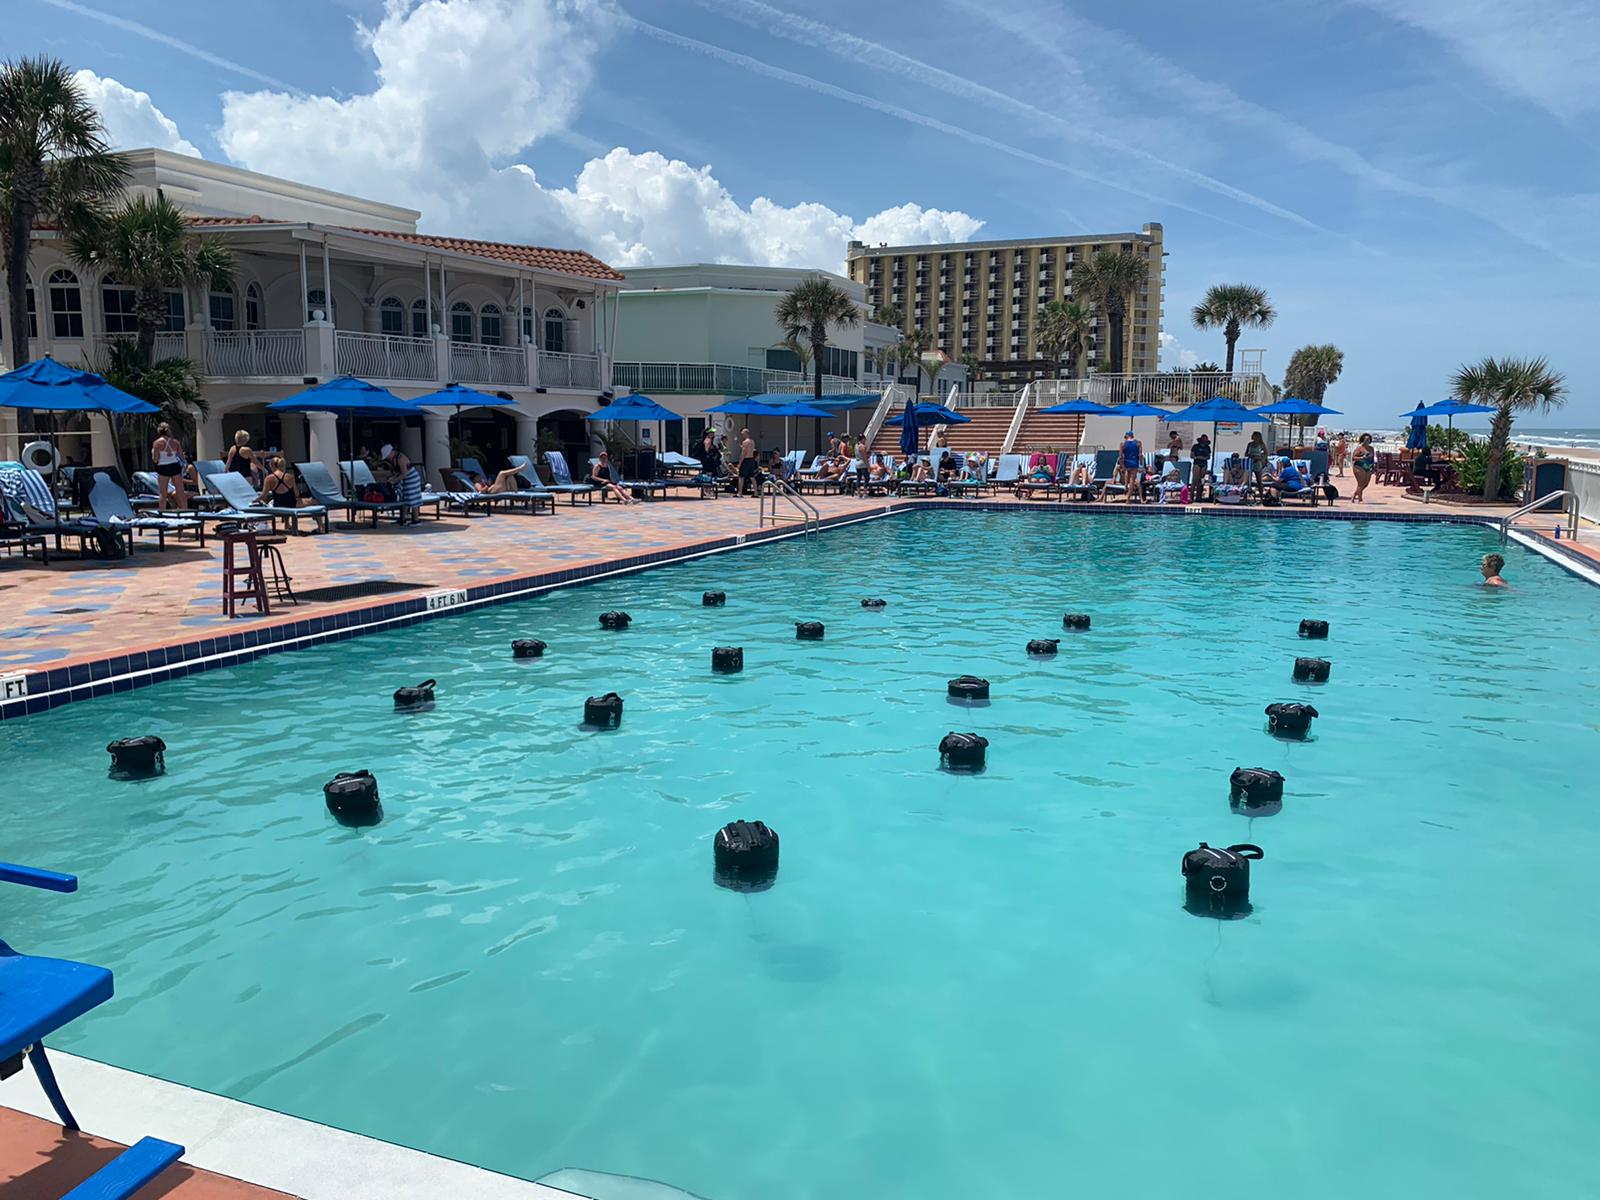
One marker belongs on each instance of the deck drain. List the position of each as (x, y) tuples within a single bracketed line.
[(355, 591)]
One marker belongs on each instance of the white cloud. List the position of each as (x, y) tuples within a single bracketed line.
[(131, 119), (439, 132), (1547, 51), (1174, 355)]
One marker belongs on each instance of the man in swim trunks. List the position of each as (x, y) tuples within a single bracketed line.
[(1491, 567), (1129, 467), (747, 462)]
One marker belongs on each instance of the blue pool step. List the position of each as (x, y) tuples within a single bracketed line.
[(128, 1172)]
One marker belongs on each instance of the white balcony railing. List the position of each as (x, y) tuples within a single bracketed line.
[(95, 350), (570, 370), (473, 363), (250, 352), (385, 356)]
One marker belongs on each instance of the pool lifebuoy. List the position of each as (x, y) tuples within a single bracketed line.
[(41, 456)]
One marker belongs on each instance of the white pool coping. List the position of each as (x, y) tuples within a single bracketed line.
[(257, 1145)]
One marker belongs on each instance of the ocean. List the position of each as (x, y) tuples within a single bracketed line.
[(1579, 439)]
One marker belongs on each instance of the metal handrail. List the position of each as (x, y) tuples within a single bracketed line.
[(774, 487), (1024, 398), (1569, 506)]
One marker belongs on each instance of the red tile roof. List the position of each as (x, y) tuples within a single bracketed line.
[(569, 262), (572, 262)]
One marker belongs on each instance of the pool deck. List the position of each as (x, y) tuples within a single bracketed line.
[(76, 629)]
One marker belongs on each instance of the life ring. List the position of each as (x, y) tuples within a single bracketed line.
[(41, 456)]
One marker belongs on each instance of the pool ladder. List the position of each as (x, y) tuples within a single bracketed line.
[(798, 509), (1569, 505)]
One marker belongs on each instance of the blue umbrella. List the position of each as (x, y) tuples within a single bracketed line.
[(459, 397), (1418, 435), (933, 414), (1082, 408), (1449, 410), (636, 408), (1218, 408), (750, 406), (348, 395), (50, 387), (1291, 406), (908, 429)]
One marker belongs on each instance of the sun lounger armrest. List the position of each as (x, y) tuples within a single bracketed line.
[(125, 1174), (50, 881)]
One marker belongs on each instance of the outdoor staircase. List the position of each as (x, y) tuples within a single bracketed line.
[(986, 431), (1052, 431)]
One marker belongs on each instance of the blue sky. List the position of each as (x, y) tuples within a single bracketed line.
[(1417, 181)]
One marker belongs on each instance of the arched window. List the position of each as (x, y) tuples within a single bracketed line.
[(223, 312), (392, 316), (116, 306), (489, 324), (555, 331), (419, 319), (527, 322), (66, 305), (461, 321), (317, 301), (252, 307)]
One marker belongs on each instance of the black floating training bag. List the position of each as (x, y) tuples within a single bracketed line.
[(1220, 874)]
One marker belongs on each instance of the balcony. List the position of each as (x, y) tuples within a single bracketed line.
[(256, 353), (569, 370), (385, 356)]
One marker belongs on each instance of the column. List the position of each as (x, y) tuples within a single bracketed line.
[(209, 441), (321, 359), (528, 436), (293, 436), (102, 445), (411, 444), (325, 441), (441, 351), (435, 444)]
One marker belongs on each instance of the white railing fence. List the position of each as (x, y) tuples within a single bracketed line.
[(471, 362), (256, 352), (894, 395), (1023, 398), (571, 370), (1583, 481), (385, 356), (721, 379)]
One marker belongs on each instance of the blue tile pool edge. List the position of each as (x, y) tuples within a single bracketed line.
[(52, 687)]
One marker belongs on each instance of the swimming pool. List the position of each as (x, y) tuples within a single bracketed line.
[(960, 985)]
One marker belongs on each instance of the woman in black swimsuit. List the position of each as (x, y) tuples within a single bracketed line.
[(241, 459), (278, 488)]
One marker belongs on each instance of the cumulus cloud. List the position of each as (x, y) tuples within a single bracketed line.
[(440, 132), (131, 118), (1174, 355)]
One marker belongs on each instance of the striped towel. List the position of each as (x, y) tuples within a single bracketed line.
[(409, 490)]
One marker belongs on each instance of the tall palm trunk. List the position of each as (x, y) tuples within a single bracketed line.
[(149, 310), (1231, 333), (1499, 437), (1116, 314), (819, 340), (23, 210)]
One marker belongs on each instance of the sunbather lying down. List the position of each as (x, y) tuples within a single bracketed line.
[(506, 481)]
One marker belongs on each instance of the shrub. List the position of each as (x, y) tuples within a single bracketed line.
[(1474, 468)]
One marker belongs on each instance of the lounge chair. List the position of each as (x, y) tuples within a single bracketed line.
[(319, 482), (1030, 487), (1105, 470), (42, 995), (649, 487), (564, 484), (30, 508), (976, 487), (814, 481), (529, 474), (1076, 491), (244, 504), (110, 506), (461, 490), (1009, 469)]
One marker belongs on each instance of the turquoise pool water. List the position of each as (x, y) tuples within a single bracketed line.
[(960, 986)]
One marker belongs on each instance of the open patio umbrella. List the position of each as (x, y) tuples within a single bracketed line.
[(458, 398), (1217, 410), (909, 424), (932, 414), (44, 385), (1449, 410), (636, 408), (1086, 408), (348, 395)]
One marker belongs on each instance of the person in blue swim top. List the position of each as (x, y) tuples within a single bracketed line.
[(1290, 479), (1129, 467)]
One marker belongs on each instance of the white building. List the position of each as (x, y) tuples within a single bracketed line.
[(327, 284)]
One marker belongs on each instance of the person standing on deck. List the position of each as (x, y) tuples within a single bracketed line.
[(747, 462), (1130, 468)]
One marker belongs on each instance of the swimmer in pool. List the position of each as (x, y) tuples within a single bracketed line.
[(1491, 567)]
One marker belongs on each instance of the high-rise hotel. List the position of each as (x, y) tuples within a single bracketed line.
[(983, 298)]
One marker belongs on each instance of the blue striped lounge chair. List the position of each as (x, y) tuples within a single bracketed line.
[(319, 482), (244, 504), (564, 483), (111, 508)]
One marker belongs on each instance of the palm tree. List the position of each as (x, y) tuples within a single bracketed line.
[(931, 365), (54, 164), (1311, 370), (172, 385), (912, 347), (974, 366), (1051, 334), (1232, 307), (1512, 385), (1074, 319), (1109, 280), (147, 245), (800, 350), (888, 314), (880, 357), (806, 311)]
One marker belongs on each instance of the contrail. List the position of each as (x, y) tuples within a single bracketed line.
[(155, 35)]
